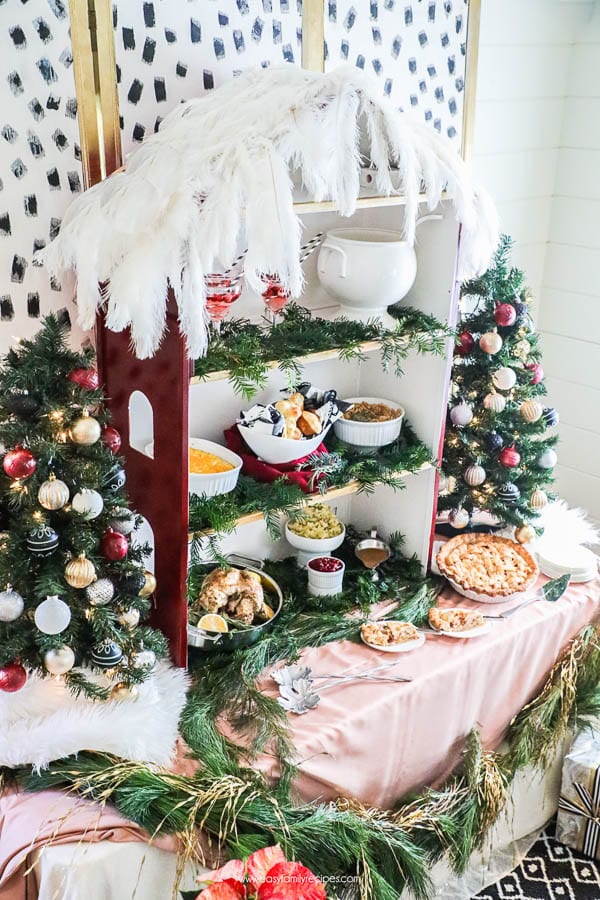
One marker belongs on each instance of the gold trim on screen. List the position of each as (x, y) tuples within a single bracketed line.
[(85, 88), (468, 126), (313, 35)]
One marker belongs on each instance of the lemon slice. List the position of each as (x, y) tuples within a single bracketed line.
[(268, 611), (213, 622)]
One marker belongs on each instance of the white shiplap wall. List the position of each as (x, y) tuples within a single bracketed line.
[(537, 148), (570, 309), (524, 60)]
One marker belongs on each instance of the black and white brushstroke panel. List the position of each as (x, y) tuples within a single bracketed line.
[(169, 50), (416, 49), (40, 156)]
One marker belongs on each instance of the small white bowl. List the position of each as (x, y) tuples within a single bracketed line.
[(279, 449), (322, 584), (215, 482), (308, 548), (369, 434)]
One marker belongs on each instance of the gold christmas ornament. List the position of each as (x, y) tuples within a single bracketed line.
[(522, 349), (80, 572), (525, 534), (539, 499), (53, 493), (474, 475), (494, 402), (130, 618), (124, 692), (85, 430), (149, 585), (490, 342), (531, 410)]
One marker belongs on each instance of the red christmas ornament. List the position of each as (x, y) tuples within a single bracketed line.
[(509, 457), (12, 677), (537, 373), (465, 343), (114, 546), (85, 378), (19, 463), (111, 438), (505, 314)]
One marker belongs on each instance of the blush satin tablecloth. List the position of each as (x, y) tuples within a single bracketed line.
[(376, 742)]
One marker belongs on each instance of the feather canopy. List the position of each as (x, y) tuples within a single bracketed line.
[(223, 162)]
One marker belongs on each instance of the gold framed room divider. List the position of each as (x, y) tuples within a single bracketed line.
[(93, 29)]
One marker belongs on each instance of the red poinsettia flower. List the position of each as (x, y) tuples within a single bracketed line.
[(229, 889), (266, 872), (291, 881), (261, 862)]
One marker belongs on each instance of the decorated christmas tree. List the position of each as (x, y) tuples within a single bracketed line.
[(498, 456), (72, 582)]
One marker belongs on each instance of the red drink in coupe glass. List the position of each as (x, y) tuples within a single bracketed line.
[(221, 292), (275, 296)]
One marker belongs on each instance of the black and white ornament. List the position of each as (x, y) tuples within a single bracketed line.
[(53, 493), (106, 655), (88, 503), (508, 493), (42, 541), (124, 521), (494, 442), (132, 584), (100, 592), (474, 475), (550, 416), (11, 605), (116, 480), (27, 406)]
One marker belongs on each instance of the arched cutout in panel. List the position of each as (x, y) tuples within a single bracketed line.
[(145, 535), (141, 424)]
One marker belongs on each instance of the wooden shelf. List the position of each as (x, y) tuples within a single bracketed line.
[(367, 200), (351, 488), (365, 347)]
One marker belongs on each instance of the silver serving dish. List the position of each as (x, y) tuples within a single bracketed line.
[(209, 642)]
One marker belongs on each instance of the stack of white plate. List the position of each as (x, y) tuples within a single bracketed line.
[(578, 562)]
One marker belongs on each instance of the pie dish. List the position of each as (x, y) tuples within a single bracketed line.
[(486, 567), (458, 623), (391, 637)]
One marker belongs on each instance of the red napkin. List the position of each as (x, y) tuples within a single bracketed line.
[(262, 471)]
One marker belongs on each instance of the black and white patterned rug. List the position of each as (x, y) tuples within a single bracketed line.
[(550, 871)]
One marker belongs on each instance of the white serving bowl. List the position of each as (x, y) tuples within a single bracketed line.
[(369, 434), (324, 584), (308, 548), (279, 449), (216, 482)]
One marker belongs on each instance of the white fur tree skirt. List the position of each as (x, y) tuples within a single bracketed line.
[(45, 721)]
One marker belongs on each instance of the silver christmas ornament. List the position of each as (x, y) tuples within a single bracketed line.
[(11, 605), (504, 378), (125, 521), (143, 659), (59, 661), (474, 475), (547, 459), (459, 518), (461, 415), (494, 402), (100, 592)]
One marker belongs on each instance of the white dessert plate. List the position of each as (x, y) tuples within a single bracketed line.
[(403, 647), (471, 633)]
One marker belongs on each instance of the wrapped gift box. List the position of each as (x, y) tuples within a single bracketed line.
[(578, 822)]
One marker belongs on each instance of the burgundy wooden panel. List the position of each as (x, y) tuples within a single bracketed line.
[(158, 487)]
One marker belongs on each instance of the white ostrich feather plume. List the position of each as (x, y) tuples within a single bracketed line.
[(224, 161)]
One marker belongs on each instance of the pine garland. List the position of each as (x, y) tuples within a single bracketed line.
[(244, 349), (388, 849), (340, 466)]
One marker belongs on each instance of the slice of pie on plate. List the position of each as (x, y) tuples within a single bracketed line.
[(455, 619), (487, 566), (384, 634)]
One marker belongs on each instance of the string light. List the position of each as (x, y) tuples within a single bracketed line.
[(57, 415), (38, 516)]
